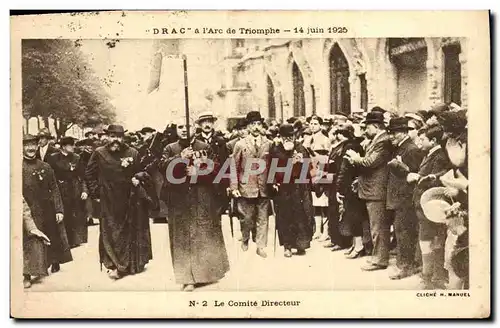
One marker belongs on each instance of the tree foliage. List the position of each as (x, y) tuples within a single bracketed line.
[(59, 83)]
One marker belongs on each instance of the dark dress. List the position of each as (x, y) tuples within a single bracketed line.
[(122, 232), (34, 250), (195, 232), (293, 201), (338, 230), (354, 210), (43, 198), (69, 173)]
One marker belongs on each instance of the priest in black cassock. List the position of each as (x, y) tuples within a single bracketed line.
[(111, 175), (42, 195), (69, 172)]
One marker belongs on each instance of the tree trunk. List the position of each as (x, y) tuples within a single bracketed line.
[(61, 128), (45, 122)]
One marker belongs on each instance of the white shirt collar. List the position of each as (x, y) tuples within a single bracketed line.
[(404, 139), (206, 135), (378, 135), (433, 149)]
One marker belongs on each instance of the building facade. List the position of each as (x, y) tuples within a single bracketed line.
[(285, 78)]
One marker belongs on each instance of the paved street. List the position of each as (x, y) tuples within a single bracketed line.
[(320, 269)]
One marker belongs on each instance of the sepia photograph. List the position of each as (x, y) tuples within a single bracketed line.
[(248, 163)]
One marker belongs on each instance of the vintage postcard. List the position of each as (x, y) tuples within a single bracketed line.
[(244, 164)]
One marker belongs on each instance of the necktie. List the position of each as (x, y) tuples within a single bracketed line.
[(256, 145)]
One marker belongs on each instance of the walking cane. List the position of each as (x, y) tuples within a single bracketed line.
[(231, 213), (275, 226)]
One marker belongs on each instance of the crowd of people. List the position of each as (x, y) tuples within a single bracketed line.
[(370, 184)]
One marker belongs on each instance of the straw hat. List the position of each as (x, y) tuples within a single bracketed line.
[(434, 204)]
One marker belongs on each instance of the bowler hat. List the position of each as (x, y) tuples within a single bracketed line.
[(346, 129), (374, 117), (254, 116), (85, 142), (147, 129), (115, 128), (67, 141), (29, 138), (398, 124), (88, 133), (434, 204), (286, 130), (240, 124), (207, 115), (378, 109)]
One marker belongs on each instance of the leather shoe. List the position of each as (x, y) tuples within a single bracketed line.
[(261, 252), (355, 254), (373, 267), (26, 283), (55, 268), (336, 248), (329, 245), (400, 274), (349, 251), (188, 288), (301, 252), (244, 246), (288, 253)]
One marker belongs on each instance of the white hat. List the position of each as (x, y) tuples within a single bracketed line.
[(206, 115)]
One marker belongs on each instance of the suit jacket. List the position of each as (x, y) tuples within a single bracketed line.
[(373, 169), (436, 163), (230, 145), (249, 184), (50, 150), (400, 192)]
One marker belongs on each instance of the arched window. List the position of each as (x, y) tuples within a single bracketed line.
[(299, 102), (452, 74), (409, 56), (340, 94), (270, 98)]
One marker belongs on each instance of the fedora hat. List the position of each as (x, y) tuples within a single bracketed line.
[(398, 124), (378, 109), (254, 116), (374, 117), (29, 138), (434, 204), (67, 141), (286, 130), (115, 128), (147, 129), (207, 115)]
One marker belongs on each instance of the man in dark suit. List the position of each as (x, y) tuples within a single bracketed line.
[(249, 186), (407, 158), (240, 131), (372, 187), (44, 148)]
